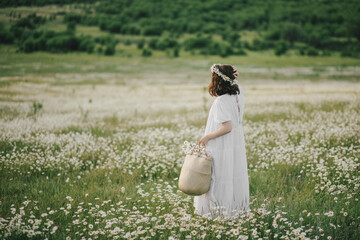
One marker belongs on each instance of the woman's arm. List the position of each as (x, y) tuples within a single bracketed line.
[(225, 128)]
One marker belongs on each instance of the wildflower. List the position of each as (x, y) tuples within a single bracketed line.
[(53, 230)]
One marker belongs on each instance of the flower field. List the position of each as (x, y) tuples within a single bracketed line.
[(85, 156)]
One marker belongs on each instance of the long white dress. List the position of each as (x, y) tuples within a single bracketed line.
[(229, 188)]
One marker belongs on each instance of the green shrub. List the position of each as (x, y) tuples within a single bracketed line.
[(231, 37), (62, 43), (153, 43), (141, 43), (115, 27), (217, 48), (40, 43), (130, 30), (166, 43), (273, 33), (87, 44), (351, 50), (240, 52), (128, 42), (6, 36), (325, 53), (153, 30), (99, 50), (176, 51), (258, 45), (302, 51), (29, 45), (146, 52), (317, 37), (311, 51), (292, 32), (197, 43), (104, 40), (110, 49), (281, 48), (30, 22), (71, 26), (72, 17)]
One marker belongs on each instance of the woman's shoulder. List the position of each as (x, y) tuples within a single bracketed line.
[(222, 97), (225, 97)]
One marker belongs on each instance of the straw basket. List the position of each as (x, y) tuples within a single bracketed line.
[(195, 175)]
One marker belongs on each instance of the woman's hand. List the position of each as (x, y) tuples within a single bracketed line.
[(225, 128), (204, 140)]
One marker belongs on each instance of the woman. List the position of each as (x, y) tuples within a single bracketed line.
[(224, 140)]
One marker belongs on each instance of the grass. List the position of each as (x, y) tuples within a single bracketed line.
[(111, 128), (20, 64)]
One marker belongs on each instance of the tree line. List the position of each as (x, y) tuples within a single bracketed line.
[(311, 27)]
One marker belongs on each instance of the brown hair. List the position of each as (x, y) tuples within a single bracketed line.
[(219, 86)]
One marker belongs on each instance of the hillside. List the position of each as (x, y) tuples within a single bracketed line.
[(197, 27)]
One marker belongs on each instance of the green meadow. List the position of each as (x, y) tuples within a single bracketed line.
[(91, 144)]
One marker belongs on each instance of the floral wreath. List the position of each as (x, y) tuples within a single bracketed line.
[(215, 69)]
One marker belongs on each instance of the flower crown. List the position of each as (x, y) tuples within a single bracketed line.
[(215, 69)]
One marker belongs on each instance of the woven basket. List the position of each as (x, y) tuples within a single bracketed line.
[(195, 175)]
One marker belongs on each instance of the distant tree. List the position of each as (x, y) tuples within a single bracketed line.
[(225, 50), (86, 44), (29, 45), (103, 24), (281, 48), (110, 49), (25, 23), (176, 51), (197, 43), (115, 27), (141, 43), (99, 50), (352, 16), (302, 51), (71, 17), (240, 52), (153, 43), (273, 33), (258, 44), (311, 51), (71, 26), (318, 37), (62, 43), (165, 43), (6, 36), (292, 32), (146, 52), (231, 37), (153, 30)]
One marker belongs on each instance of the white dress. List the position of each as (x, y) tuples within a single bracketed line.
[(229, 188)]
